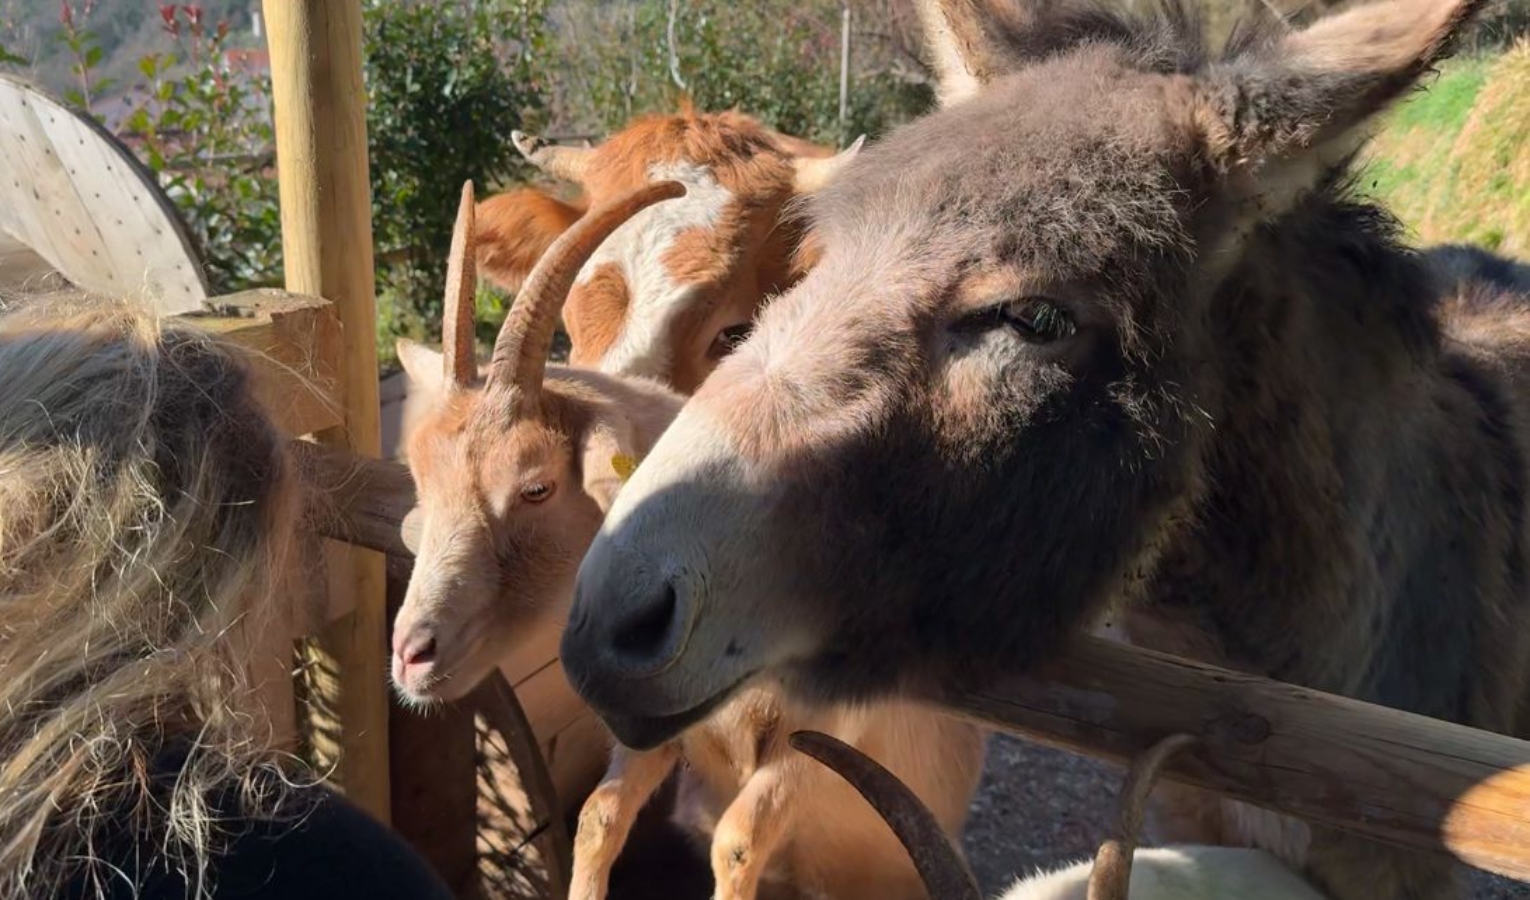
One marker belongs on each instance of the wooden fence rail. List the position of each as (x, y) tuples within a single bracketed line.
[(1400, 778)]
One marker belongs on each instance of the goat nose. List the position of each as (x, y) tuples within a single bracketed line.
[(648, 636), (418, 649)]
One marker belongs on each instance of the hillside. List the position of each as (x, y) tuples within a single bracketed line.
[(1454, 162), (125, 30)]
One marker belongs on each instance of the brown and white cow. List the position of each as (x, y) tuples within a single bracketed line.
[(674, 290), (1110, 331)]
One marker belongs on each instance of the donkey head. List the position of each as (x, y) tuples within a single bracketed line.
[(513, 472), (971, 425), (675, 289)]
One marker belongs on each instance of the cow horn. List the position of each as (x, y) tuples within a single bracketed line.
[(520, 351), (937, 860), (1110, 879), (812, 173), (461, 287), (568, 163)]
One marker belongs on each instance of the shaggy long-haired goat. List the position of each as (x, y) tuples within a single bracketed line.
[(514, 476)]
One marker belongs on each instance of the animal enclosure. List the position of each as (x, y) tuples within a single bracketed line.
[(483, 788)]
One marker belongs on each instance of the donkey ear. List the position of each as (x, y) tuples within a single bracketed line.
[(608, 455), (1290, 112), (514, 230), (971, 42)]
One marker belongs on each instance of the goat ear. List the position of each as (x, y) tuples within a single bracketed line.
[(813, 173), (425, 367), (514, 230), (608, 456), (1289, 113)]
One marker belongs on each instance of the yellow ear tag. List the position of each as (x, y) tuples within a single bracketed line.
[(624, 466)]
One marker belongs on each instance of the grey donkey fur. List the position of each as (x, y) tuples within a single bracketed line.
[(1108, 334)]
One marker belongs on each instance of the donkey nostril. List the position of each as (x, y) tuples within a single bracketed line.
[(423, 653), (643, 633)]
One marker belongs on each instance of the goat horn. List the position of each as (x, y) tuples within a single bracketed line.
[(520, 351), (1110, 879), (568, 163), (937, 860), (461, 286)]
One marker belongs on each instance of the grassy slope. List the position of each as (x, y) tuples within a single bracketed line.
[(1454, 161)]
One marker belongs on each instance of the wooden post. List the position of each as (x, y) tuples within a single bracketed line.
[(844, 74), (321, 148)]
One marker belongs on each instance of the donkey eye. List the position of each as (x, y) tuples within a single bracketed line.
[(536, 493), (1037, 320), (729, 338)]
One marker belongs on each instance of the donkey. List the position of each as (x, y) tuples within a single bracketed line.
[(1108, 333), (1161, 873), (677, 288), (513, 476)]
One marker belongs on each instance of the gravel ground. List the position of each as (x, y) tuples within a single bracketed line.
[(1044, 807)]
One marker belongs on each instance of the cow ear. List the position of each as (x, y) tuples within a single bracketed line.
[(514, 229)]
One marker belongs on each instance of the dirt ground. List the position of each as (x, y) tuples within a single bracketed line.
[(1037, 807)]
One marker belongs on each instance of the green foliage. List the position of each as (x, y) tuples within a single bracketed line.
[(205, 131), (446, 84), (9, 58), (779, 62), (85, 51)]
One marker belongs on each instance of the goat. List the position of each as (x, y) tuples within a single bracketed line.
[(513, 475)]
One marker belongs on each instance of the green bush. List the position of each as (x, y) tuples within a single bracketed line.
[(446, 84), (777, 61), (206, 132)]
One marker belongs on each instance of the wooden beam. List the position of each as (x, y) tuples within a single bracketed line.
[(366, 502), (1399, 778), (321, 148), (294, 346)]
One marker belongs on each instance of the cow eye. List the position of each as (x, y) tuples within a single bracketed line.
[(729, 339), (1037, 320), (536, 492)]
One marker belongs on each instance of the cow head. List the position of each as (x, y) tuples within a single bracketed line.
[(672, 291)]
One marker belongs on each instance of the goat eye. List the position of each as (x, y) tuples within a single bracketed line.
[(729, 338), (536, 493), (1037, 320)]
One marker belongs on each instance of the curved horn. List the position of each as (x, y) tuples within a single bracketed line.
[(1110, 879), (520, 351), (812, 173), (937, 860), (461, 286), (568, 163)]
